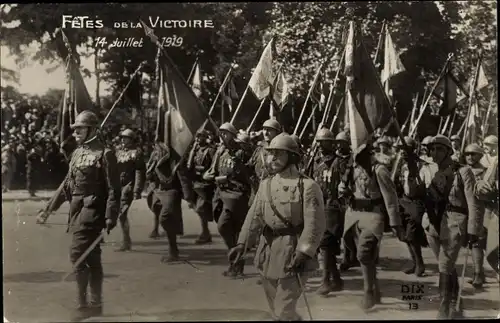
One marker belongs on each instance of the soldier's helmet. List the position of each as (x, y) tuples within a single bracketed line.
[(229, 128), (342, 136), (284, 142), (325, 135), (491, 140), (128, 133), (296, 138), (455, 138), (86, 118), (474, 149), (409, 141), (273, 124), (202, 133), (427, 140), (243, 137), (384, 140), (441, 140)]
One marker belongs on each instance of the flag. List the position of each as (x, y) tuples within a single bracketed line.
[(280, 90), (262, 78), (366, 103), (392, 63), (318, 93), (446, 91), (482, 81), (229, 94), (196, 81), (473, 124), (150, 33)]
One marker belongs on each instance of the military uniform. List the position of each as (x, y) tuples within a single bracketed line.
[(199, 162), (167, 193), (371, 191), (92, 187), (132, 171), (298, 200), (34, 161), (8, 167), (453, 214)]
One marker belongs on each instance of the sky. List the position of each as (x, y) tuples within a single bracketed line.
[(34, 79)]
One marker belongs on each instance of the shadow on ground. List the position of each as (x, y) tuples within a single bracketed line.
[(397, 264), (42, 277)]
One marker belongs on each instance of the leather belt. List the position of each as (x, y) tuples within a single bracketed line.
[(457, 209), (366, 205)]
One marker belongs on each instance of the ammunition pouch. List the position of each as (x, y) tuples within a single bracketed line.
[(366, 205), (270, 234)]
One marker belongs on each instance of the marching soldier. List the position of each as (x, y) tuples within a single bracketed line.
[(455, 143), (8, 167), (454, 219), (427, 167), (473, 154), (385, 145), (288, 210), (92, 187), (231, 175), (132, 171), (165, 199), (411, 192), (490, 144), (323, 173), (34, 161), (369, 188), (199, 161)]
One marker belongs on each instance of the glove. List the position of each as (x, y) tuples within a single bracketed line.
[(137, 196), (236, 253), (41, 217), (399, 232), (298, 262), (110, 224)]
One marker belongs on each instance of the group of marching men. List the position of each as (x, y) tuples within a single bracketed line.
[(295, 205)]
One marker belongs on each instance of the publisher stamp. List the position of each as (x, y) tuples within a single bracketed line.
[(413, 293)]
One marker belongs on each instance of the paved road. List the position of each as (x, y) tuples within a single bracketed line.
[(139, 288)]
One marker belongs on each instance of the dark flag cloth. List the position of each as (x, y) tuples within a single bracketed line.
[(366, 101), (449, 92)]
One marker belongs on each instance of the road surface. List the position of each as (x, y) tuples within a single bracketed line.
[(138, 288)]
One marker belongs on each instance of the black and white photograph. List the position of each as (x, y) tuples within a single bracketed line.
[(249, 161)]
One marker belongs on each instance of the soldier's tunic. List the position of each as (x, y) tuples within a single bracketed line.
[(92, 187), (453, 212), (478, 170), (132, 170), (304, 209), (258, 163), (203, 189), (230, 204)]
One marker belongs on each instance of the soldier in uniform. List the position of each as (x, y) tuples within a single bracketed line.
[(454, 219), (369, 188), (132, 171), (385, 145), (232, 178), (288, 211), (167, 191), (490, 144), (323, 173), (199, 161), (8, 167), (455, 143), (92, 187), (411, 192), (473, 154), (34, 161)]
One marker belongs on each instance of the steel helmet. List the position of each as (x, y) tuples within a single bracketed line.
[(128, 133), (229, 128), (409, 141), (441, 140), (455, 138), (296, 138), (243, 137), (427, 140), (474, 149), (86, 118), (273, 124), (202, 133), (342, 136), (324, 134), (284, 142), (384, 140), (491, 140)]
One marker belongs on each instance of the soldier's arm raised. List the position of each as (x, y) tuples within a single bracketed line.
[(475, 218), (254, 219), (388, 191), (314, 219), (140, 173), (112, 178)]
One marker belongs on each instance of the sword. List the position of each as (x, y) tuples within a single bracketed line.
[(301, 285), (462, 284), (85, 254)]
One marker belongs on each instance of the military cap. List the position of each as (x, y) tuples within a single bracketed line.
[(229, 128), (284, 142), (491, 140), (128, 133), (325, 134), (86, 118), (273, 124), (441, 140), (474, 149)]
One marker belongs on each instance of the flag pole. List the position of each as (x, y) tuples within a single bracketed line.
[(308, 121), (315, 80), (192, 69), (221, 88), (256, 114), (379, 44), (452, 124), (487, 117), (472, 96)]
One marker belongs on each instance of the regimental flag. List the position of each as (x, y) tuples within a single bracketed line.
[(448, 92), (262, 76), (482, 80), (318, 94), (196, 80), (473, 124), (366, 103), (230, 94), (280, 90), (392, 63)]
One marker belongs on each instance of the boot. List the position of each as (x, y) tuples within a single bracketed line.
[(205, 236), (455, 313), (81, 311), (96, 280), (445, 284), (478, 260), (239, 267), (377, 297), (127, 242), (154, 234), (368, 301), (325, 287), (337, 284), (419, 260), (411, 268), (173, 251)]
